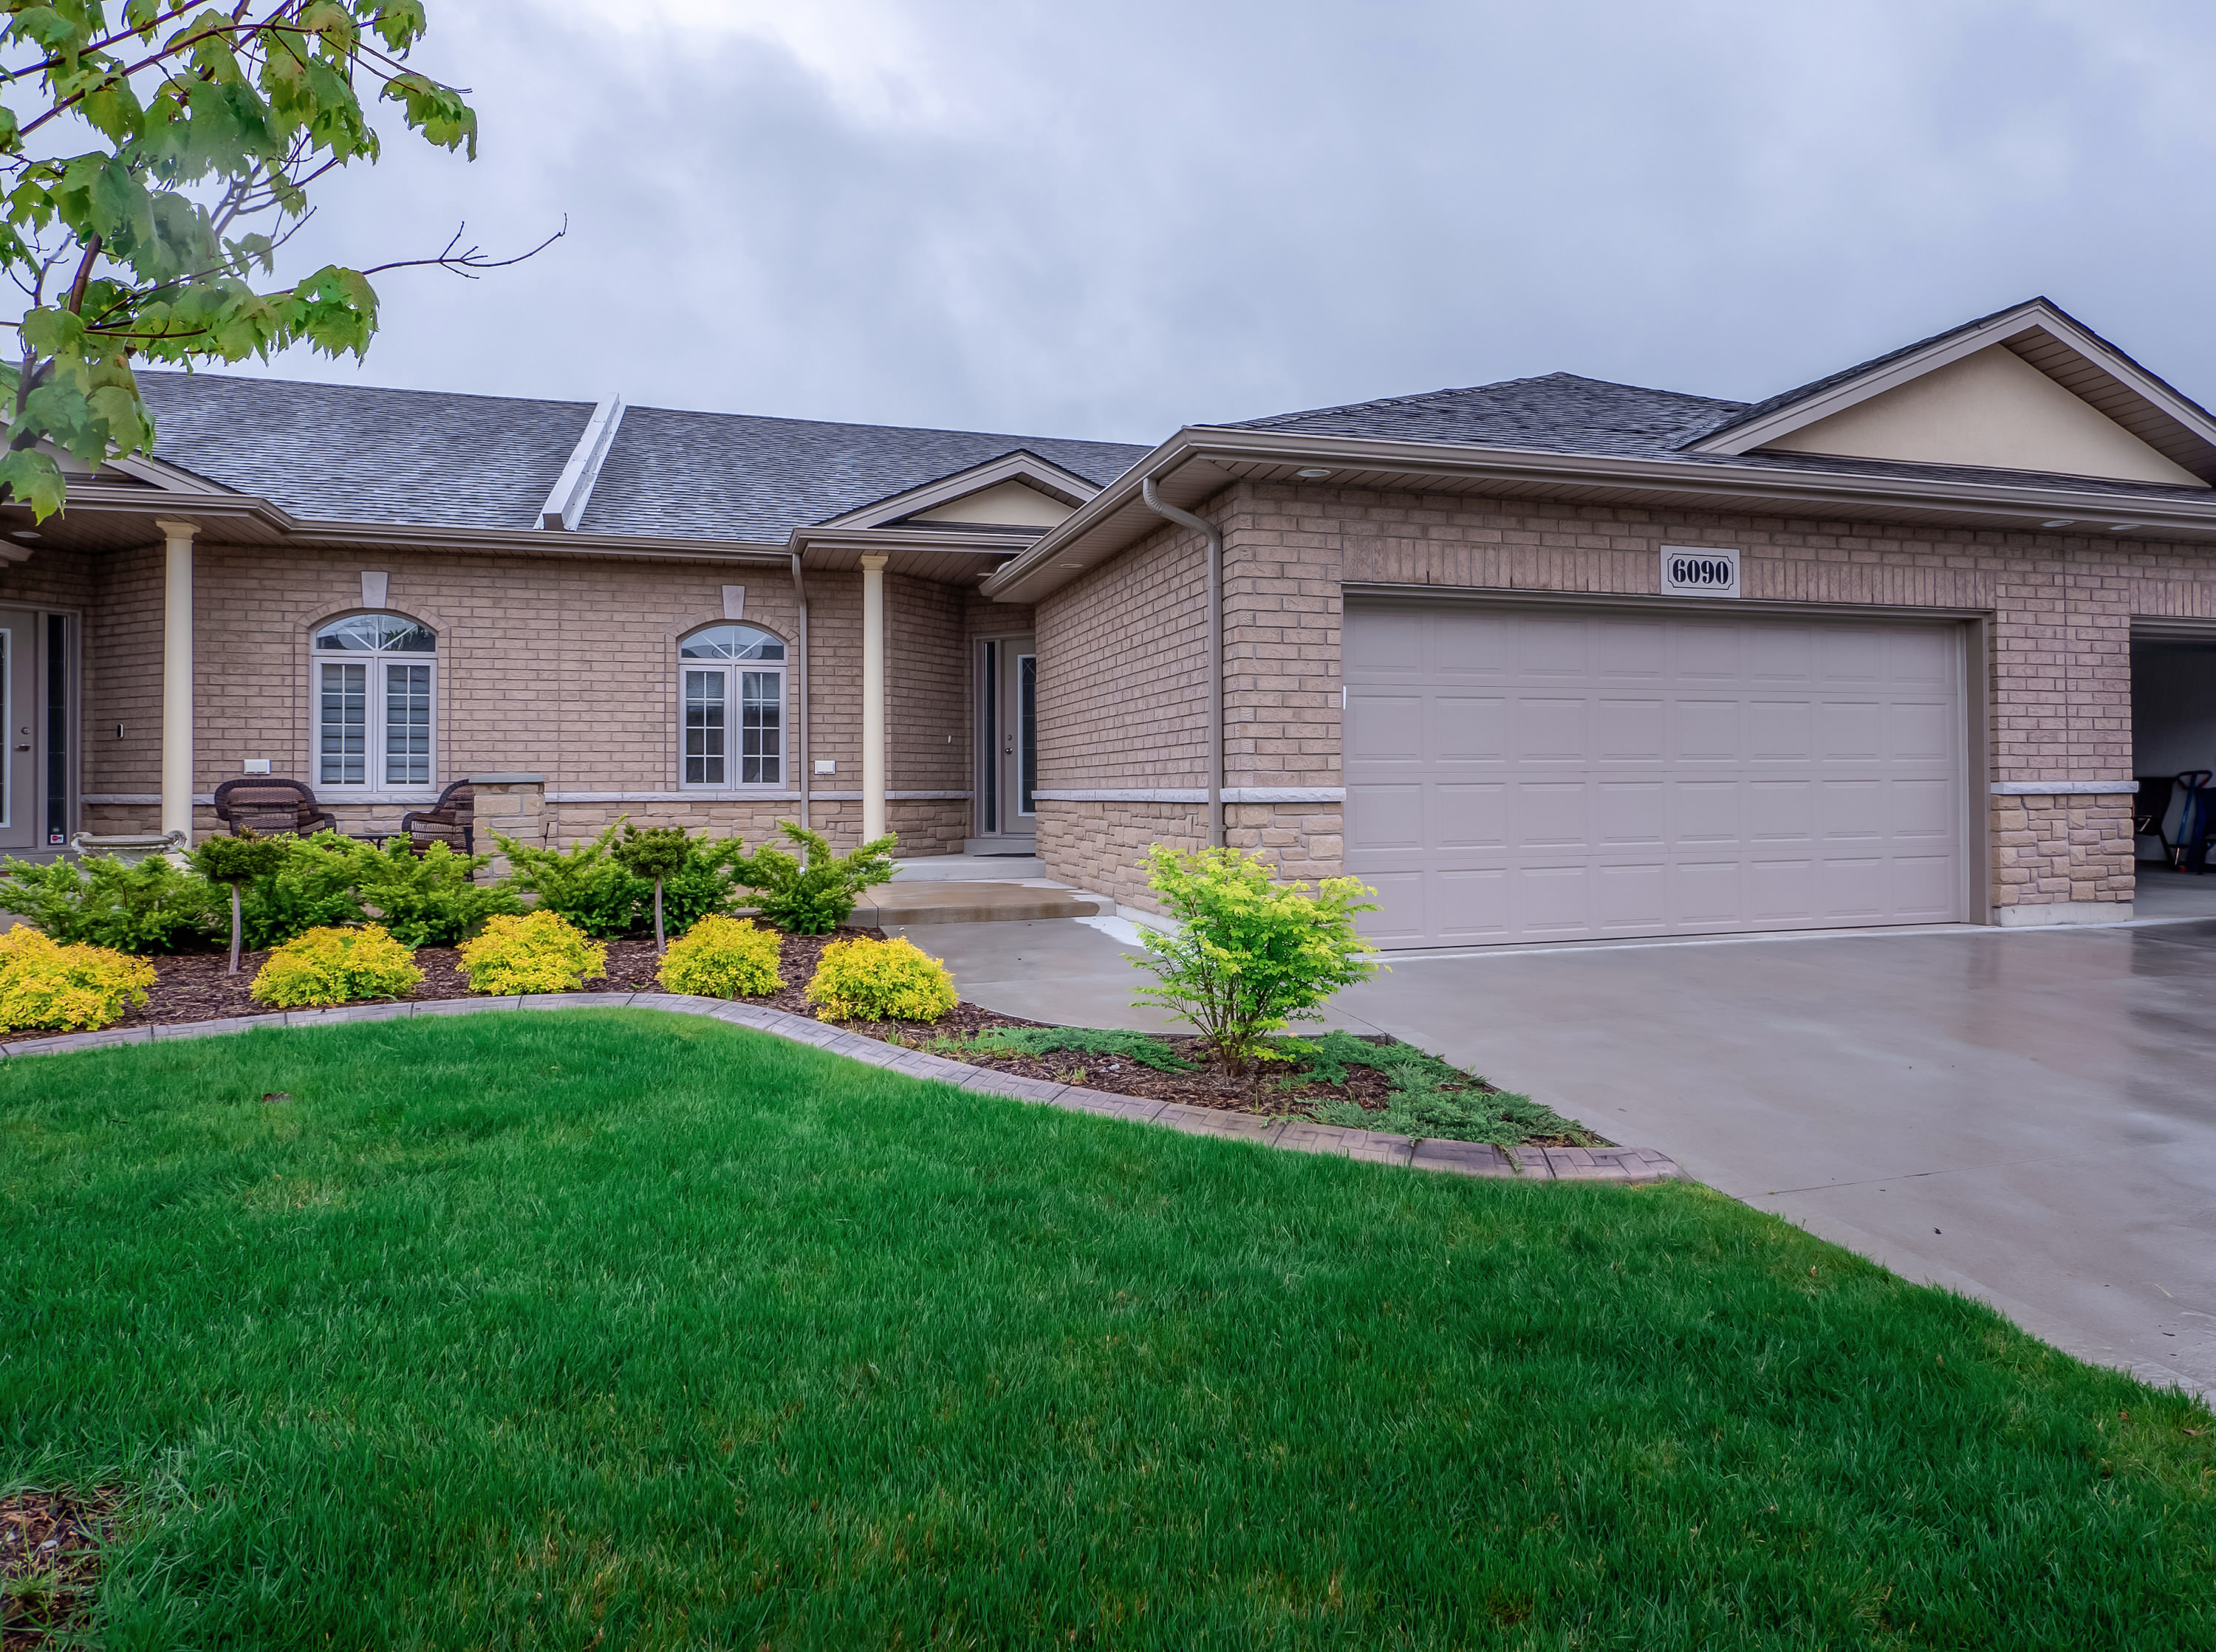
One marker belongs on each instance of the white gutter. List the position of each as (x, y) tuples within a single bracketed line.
[(1187, 519), (573, 488)]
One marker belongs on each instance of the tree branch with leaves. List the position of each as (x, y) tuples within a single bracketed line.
[(150, 167)]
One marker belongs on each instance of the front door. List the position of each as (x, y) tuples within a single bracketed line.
[(33, 801), (1007, 741)]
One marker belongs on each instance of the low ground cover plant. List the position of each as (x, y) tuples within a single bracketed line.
[(72, 987), (537, 952), (814, 892), (1250, 954), (335, 966), (864, 980), (522, 1351), (1144, 1048), (722, 957)]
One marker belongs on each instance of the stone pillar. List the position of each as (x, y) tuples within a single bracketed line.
[(512, 805), (873, 698), (178, 679)]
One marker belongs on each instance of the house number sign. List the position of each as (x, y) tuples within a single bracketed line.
[(1700, 571)]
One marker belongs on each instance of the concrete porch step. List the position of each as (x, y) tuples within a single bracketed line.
[(970, 900)]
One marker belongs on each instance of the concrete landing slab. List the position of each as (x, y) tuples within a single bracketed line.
[(971, 901)]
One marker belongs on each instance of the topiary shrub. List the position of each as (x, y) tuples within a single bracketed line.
[(539, 952), (334, 966), (815, 895), (881, 980), (724, 957), (588, 883), (234, 862), (147, 906), (70, 988)]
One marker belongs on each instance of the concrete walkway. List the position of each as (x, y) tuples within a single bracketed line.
[(2027, 1115)]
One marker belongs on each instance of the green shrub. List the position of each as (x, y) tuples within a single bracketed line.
[(427, 900), (589, 885), (1251, 954), (654, 855), (70, 988), (863, 979), (232, 863), (722, 957), (312, 888), (151, 906), (539, 952), (333, 965), (816, 895)]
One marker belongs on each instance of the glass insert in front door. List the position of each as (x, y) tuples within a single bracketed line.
[(1007, 737)]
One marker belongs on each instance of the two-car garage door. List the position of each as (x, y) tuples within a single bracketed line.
[(1525, 774)]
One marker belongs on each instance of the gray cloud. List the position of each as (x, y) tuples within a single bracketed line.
[(1108, 220)]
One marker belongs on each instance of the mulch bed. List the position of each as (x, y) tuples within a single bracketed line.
[(195, 987), (53, 1538)]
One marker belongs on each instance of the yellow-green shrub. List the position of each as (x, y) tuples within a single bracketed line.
[(335, 966), (881, 980), (724, 957), (539, 952), (70, 988)]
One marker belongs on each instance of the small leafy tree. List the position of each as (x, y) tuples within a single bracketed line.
[(655, 853), (1251, 954), (815, 894), (155, 155), (236, 861)]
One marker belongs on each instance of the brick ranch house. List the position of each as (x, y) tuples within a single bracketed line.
[(1549, 659)]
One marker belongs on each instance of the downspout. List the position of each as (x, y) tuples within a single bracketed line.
[(1187, 519), (800, 593)]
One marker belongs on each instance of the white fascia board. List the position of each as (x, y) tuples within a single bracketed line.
[(573, 488), (2032, 317), (1026, 467)]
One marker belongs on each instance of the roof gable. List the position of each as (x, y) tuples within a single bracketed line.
[(2027, 388), (1017, 490), (1005, 504)]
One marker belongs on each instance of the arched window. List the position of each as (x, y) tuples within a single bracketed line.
[(373, 701), (731, 680)]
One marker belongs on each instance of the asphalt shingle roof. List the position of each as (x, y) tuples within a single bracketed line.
[(1561, 413), (727, 475), (350, 453)]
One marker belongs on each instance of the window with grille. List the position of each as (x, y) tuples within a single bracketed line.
[(732, 708), (373, 703)]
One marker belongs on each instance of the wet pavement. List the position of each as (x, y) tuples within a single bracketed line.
[(2029, 1116)]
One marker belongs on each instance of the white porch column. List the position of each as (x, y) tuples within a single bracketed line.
[(873, 698), (177, 678)]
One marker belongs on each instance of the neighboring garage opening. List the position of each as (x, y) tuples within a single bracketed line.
[(1549, 772), (2173, 731)]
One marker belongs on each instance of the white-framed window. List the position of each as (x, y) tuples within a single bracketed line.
[(731, 717), (372, 688)]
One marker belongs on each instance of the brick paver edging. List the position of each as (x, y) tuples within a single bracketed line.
[(1624, 1164)]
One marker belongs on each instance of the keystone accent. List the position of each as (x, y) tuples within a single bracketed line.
[(1616, 1165)]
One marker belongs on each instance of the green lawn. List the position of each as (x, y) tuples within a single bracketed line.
[(622, 1330)]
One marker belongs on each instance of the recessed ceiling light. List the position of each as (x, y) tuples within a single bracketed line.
[(22, 533), (1073, 565), (1314, 473), (2124, 527), (2067, 521)]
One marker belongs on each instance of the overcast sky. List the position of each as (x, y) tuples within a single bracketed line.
[(1081, 219)]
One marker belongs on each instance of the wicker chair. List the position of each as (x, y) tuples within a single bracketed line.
[(269, 805), (451, 821)]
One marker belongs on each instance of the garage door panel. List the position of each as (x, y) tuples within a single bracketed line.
[(1385, 728), (1469, 816), (1383, 819), (1466, 728), (1709, 730), (1706, 812), (1556, 776), (1629, 814), (1631, 897), (1549, 816)]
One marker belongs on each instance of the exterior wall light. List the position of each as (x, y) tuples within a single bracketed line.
[(1313, 473)]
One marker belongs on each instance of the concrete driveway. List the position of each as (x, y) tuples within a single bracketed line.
[(2029, 1116)]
